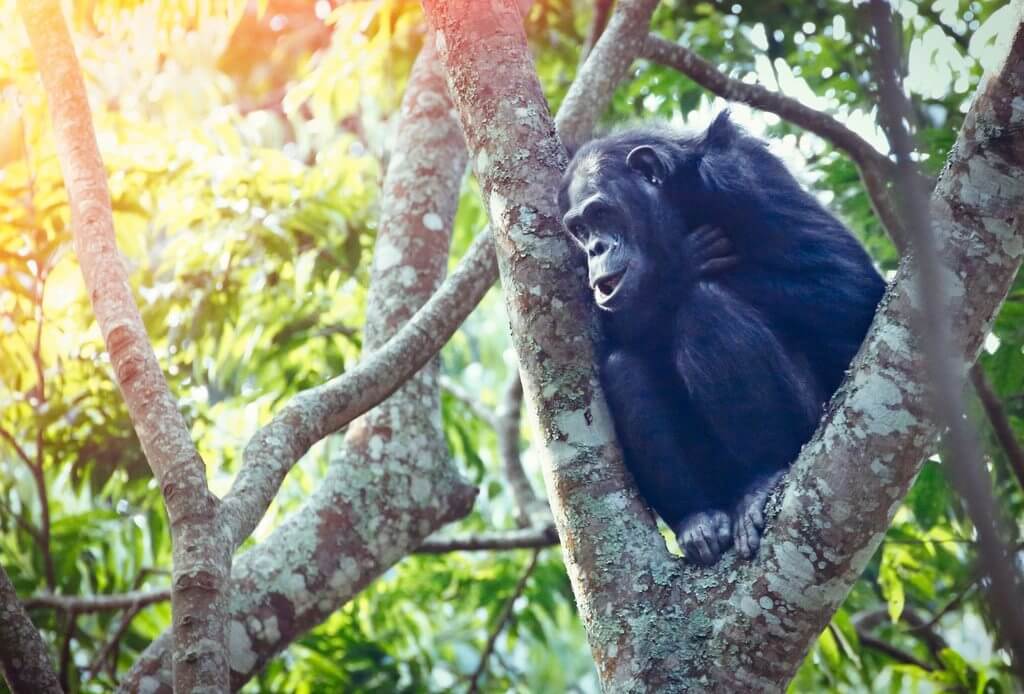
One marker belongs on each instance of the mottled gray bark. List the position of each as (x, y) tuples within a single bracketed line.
[(202, 560), (653, 623), (24, 656)]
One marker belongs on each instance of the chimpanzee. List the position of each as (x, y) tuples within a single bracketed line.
[(731, 302)]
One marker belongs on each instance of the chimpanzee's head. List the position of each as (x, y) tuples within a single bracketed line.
[(628, 199)]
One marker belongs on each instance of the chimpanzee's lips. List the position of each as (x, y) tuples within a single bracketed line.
[(607, 285)]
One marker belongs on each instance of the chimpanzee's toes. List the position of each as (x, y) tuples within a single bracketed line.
[(748, 517), (704, 536)]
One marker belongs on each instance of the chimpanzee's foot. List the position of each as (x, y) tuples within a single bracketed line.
[(748, 518), (704, 536)]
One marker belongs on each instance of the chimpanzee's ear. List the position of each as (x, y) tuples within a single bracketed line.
[(648, 162), (722, 133)]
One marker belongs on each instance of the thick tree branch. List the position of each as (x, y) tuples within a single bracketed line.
[(24, 656), (875, 168), (605, 67), (315, 413), (524, 538), (201, 558)]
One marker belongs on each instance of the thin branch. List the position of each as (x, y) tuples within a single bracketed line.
[(42, 534), (925, 10), (97, 603), (898, 654), (965, 467), (1000, 422), (526, 538), (506, 427), (38, 473), (916, 626), (499, 624), (6, 435), (64, 661), (505, 422), (875, 168), (25, 525)]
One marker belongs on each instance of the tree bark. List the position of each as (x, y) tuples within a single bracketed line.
[(202, 556), (654, 623), (24, 656)]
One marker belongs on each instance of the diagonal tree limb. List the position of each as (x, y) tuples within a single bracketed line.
[(996, 413), (24, 656), (201, 560)]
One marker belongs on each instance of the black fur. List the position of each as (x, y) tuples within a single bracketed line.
[(741, 305)]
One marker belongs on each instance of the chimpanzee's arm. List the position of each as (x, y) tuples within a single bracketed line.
[(740, 377), (760, 402), (666, 452)]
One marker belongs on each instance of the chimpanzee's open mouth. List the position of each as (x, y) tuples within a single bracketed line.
[(605, 286)]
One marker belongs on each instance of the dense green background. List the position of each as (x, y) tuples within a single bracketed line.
[(245, 148)]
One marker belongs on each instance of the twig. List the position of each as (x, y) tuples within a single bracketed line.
[(893, 652), (97, 603), (529, 538), (925, 10), (916, 626), (38, 473), (1000, 422), (64, 669), (499, 625)]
